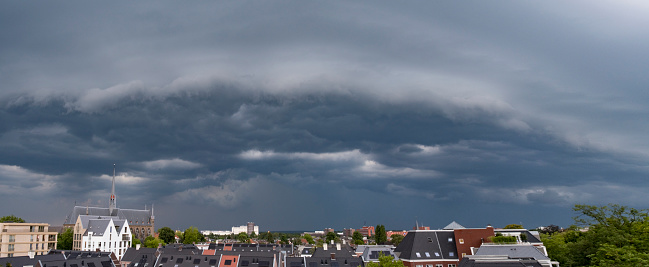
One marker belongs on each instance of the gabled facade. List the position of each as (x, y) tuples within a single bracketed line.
[(105, 234), (141, 222)]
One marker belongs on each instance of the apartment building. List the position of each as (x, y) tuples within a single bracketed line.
[(19, 239)]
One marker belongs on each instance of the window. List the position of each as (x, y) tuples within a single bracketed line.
[(419, 265), (11, 247), (427, 254), (463, 255), (429, 265), (451, 254), (450, 239), (41, 228), (436, 254), (12, 238), (418, 256), (461, 240), (451, 265), (438, 265), (228, 262)]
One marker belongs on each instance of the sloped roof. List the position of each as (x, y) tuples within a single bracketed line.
[(97, 226), (512, 251), (497, 261), (453, 225), (137, 217), (372, 253), (133, 254), (427, 244)]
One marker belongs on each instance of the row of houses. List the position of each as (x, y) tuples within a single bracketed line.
[(452, 246)]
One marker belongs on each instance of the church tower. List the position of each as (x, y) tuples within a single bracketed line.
[(112, 203)]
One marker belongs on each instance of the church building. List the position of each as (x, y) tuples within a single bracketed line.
[(140, 223)]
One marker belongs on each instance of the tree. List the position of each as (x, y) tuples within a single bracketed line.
[(617, 236), (253, 234), (192, 235), (135, 241), (550, 229), (357, 237), (331, 236), (153, 242), (167, 235), (396, 239), (269, 238), (381, 236), (514, 226), (309, 239), (243, 237), (385, 261), (283, 239), (65, 240), (11, 218)]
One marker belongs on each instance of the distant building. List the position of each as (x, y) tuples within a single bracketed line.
[(348, 232), (140, 222), (367, 231), (390, 233), (23, 239), (248, 229)]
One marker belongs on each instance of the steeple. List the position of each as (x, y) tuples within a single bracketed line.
[(112, 203)]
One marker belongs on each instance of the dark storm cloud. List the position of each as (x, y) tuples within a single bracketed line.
[(251, 110)]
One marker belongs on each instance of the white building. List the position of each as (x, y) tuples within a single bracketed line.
[(245, 229), (107, 234)]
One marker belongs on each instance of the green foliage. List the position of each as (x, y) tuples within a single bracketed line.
[(514, 226), (64, 241), (331, 236), (253, 234), (396, 239), (309, 239), (135, 241), (616, 236), (192, 235), (385, 261), (269, 238), (283, 239), (11, 218), (381, 236), (151, 242), (167, 235), (503, 239), (243, 237)]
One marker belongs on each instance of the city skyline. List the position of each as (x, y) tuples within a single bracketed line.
[(308, 115)]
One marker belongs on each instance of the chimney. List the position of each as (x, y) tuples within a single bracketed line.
[(137, 246), (31, 254), (333, 256), (337, 246), (324, 246)]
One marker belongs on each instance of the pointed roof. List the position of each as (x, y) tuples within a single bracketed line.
[(454, 225)]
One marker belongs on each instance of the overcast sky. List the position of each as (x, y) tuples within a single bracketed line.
[(301, 115)]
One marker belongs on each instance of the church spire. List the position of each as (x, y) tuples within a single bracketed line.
[(112, 203)]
